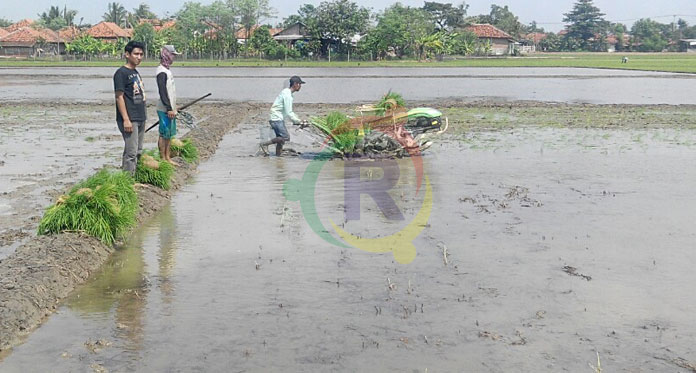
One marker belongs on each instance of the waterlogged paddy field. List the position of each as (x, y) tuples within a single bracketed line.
[(545, 246), (44, 150)]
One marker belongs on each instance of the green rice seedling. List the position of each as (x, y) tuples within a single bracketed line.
[(125, 193), (151, 169), (390, 101), (185, 149), (336, 127), (103, 206)]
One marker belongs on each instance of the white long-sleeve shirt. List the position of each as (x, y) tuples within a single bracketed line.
[(282, 107)]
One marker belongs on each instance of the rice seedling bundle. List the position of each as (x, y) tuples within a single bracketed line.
[(390, 102), (337, 127), (184, 149), (103, 206), (151, 169)]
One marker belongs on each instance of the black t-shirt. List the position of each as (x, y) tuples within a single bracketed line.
[(129, 82)]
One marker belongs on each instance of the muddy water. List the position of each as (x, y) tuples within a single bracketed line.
[(232, 278), (327, 85), (45, 149)]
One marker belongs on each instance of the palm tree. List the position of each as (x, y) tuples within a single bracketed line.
[(53, 12), (69, 15), (56, 18), (116, 13), (143, 12)]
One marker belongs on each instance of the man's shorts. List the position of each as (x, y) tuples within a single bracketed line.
[(167, 127), (279, 128)]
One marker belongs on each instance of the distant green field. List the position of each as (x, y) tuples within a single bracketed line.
[(671, 62)]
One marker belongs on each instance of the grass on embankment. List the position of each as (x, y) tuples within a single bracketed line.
[(669, 62)]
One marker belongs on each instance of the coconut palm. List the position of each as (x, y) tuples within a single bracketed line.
[(143, 12), (69, 15), (116, 13)]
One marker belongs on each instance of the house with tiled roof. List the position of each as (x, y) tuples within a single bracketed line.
[(19, 25), (28, 41), (69, 33), (158, 24), (167, 24), (535, 37), (292, 34), (501, 42), (241, 34), (108, 31), (530, 43)]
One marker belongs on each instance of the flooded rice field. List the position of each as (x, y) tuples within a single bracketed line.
[(351, 85), (542, 249), (45, 149)]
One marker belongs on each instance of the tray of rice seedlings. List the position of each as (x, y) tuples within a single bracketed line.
[(184, 149), (103, 206), (343, 137), (151, 169)]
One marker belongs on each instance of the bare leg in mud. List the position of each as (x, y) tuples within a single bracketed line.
[(279, 141), (165, 150)]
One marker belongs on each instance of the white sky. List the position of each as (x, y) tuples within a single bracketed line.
[(547, 13)]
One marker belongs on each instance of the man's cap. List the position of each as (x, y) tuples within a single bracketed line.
[(296, 79), (171, 48)]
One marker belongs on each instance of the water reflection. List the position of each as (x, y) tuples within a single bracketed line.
[(167, 254), (124, 284)]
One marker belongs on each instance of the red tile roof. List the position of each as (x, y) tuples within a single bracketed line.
[(169, 24), (69, 33), (488, 31), (535, 37), (241, 33), (21, 24), (107, 30), (159, 24), (27, 36), (3, 32)]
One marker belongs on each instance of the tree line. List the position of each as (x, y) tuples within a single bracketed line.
[(343, 29)]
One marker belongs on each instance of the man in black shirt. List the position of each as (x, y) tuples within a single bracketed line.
[(130, 105)]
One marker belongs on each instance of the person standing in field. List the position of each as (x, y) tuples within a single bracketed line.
[(130, 105), (166, 106), (281, 109)]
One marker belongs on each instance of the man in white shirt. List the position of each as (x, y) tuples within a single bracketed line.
[(281, 109)]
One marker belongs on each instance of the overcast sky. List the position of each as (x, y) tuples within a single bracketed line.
[(548, 13)]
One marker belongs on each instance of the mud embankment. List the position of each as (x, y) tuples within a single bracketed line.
[(46, 269)]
